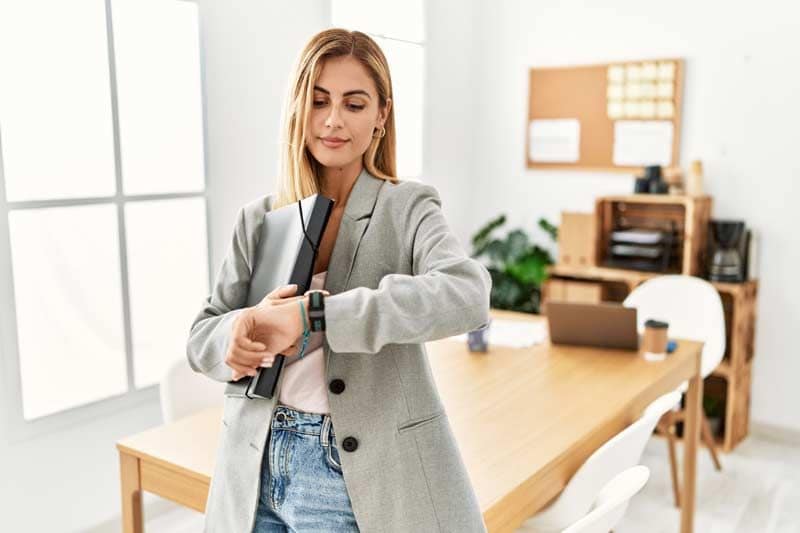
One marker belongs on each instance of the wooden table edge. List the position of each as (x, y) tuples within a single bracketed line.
[(172, 467)]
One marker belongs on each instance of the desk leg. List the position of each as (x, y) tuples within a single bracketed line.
[(131, 484), (691, 436)]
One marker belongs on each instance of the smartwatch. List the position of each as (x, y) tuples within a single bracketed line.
[(316, 310)]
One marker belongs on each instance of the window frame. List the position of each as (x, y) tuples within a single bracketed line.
[(19, 428)]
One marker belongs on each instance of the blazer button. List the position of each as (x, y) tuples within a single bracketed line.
[(350, 444), (336, 386)]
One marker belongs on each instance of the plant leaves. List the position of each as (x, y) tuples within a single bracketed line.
[(531, 270), (518, 244), (480, 238), (551, 229), (498, 251), (517, 266)]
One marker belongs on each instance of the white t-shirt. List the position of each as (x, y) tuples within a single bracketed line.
[(303, 384)]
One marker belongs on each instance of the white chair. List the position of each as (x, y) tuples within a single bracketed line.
[(184, 391), (693, 309), (618, 454), (612, 502)]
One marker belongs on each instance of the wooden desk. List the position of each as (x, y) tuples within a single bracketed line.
[(525, 420)]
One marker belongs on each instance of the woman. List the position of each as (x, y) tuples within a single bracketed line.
[(357, 438)]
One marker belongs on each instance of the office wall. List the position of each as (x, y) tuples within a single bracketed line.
[(741, 113), (449, 123), (66, 479), (250, 47)]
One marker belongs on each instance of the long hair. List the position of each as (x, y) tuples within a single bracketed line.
[(300, 172)]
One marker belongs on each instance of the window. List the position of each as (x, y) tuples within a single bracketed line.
[(102, 183), (398, 28)]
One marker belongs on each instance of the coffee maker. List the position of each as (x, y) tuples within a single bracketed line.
[(729, 245), (651, 182)]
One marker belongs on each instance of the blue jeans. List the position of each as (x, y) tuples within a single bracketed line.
[(302, 488)]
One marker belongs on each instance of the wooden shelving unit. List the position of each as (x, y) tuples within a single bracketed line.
[(730, 382), (687, 215)]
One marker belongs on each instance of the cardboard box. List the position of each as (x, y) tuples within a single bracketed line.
[(577, 238)]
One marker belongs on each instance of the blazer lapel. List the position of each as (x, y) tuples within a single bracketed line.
[(352, 227)]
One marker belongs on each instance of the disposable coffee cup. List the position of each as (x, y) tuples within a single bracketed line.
[(654, 341)]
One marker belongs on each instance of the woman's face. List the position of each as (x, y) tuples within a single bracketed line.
[(344, 114)]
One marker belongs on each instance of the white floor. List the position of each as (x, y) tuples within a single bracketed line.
[(758, 490), (160, 516)]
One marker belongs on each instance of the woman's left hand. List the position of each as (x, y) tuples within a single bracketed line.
[(277, 325)]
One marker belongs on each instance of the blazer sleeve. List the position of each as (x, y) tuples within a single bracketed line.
[(448, 293), (210, 330)]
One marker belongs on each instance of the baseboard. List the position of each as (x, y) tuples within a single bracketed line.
[(780, 434)]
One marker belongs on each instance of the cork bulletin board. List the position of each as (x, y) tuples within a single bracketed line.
[(611, 117)]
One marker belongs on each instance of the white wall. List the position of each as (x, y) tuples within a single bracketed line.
[(449, 123), (66, 479), (249, 49), (741, 111)]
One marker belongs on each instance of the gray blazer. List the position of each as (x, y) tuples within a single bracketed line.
[(397, 278)]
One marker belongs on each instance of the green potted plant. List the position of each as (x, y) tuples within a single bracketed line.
[(518, 267)]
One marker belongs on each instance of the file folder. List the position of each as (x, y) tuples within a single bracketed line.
[(285, 254)]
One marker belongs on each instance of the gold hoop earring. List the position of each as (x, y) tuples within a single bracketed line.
[(383, 132)]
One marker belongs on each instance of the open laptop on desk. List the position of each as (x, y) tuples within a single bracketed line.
[(605, 325)]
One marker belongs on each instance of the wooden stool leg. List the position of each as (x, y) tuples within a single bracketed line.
[(673, 467), (708, 439)]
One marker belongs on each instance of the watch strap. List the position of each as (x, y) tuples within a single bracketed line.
[(316, 310)]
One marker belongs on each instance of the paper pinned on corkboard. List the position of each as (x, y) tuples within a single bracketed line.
[(643, 142), (554, 141)]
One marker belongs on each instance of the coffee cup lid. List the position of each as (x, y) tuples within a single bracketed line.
[(652, 323)]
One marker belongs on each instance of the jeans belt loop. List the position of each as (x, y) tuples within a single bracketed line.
[(323, 434)]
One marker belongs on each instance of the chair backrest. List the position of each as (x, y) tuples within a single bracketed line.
[(619, 453), (612, 502), (691, 306), (184, 391)]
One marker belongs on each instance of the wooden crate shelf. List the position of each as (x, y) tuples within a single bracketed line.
[(684, 217), (723, 369), (739, 304)]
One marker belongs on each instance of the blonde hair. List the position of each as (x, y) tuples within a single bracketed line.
[(300, 172)]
